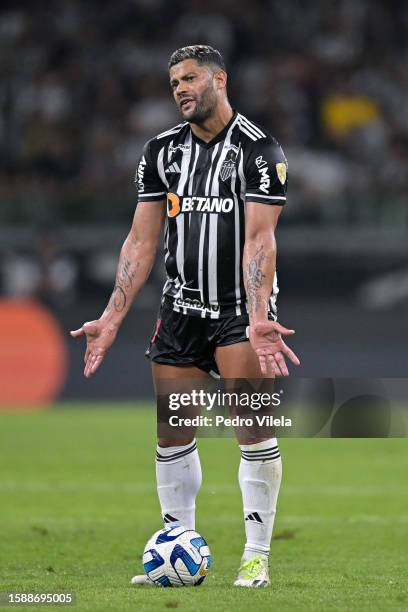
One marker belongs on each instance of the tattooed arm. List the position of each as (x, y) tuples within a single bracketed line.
[(259, 259), (136, 260), (259, 263), (135, 263)]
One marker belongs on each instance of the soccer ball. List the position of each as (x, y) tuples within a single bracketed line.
[(176, 557)]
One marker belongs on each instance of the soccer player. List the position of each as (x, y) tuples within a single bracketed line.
[(216, 183)]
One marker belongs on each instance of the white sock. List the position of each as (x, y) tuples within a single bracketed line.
[(178, 474), (260, 474)]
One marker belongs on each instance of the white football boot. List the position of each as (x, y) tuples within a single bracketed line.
[(253, 573), (142, 580)]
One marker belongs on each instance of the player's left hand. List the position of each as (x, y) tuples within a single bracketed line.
[(266, 340)]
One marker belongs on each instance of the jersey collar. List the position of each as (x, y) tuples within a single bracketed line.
[(220, 136)]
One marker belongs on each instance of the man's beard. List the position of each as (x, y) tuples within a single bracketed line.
[(204, 107)]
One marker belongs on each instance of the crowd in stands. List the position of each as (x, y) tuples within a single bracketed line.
[(85, 84)]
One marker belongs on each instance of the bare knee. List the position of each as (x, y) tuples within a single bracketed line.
[(179, 441)]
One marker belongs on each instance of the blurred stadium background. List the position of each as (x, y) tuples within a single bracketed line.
[(84, 85)]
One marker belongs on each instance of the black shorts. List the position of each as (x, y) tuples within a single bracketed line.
[(185, 340)]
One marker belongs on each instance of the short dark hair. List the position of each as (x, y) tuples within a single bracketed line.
[(203, 54)]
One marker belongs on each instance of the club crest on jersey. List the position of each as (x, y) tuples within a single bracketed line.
[(187, 204), (281, 172), (228, 164)]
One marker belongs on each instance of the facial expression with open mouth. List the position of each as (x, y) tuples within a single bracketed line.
[(193, 90)]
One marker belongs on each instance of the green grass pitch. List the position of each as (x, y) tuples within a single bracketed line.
[(78, 502)]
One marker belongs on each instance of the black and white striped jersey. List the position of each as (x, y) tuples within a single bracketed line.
[(206, 186)]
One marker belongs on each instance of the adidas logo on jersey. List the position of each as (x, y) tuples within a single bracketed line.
[(174, 168)]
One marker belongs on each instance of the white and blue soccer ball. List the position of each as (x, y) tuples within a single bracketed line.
[(176, 557)]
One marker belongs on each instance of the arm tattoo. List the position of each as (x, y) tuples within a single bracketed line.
[(255, 280), (125, 275), (117, 299), (124, 282)]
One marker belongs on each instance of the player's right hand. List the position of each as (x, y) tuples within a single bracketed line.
[(99, 337)]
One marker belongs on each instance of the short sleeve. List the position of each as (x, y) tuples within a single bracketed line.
[(149, 185), (266, 173)]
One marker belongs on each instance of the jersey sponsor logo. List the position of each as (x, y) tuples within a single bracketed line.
[(173, 205), (262, 166), (191, 298), (196, 305), (281, 172), (260, 162), (187, 204), (139, 178), (179, 147), (228, 164)]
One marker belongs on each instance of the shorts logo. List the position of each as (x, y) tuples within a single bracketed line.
[(281, 172), (183, 204)]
